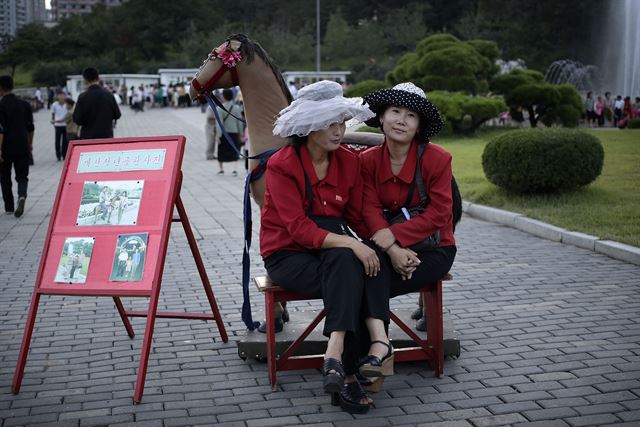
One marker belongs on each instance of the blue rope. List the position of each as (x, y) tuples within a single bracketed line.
[(248, 221)]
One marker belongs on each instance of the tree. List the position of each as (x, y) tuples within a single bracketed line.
[(466, 113), (442, 62), (543, 101), (336, 43)]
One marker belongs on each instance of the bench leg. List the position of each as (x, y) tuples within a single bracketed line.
[(271, 338), (433, 315)]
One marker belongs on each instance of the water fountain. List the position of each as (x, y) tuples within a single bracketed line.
[(620, 54), (573, 72)]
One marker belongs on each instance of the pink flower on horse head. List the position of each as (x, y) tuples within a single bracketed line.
[(228, 56)]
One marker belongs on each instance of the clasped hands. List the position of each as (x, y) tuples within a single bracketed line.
[(404, 260)]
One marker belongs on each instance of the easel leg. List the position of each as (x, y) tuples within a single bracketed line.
[(271, 339), (201, 269), (26, 342), (123, 315), (146, 346)]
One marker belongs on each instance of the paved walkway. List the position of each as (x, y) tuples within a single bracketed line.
[(550, 333)]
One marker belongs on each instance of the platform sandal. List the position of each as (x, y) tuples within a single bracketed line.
[(350, 397), (333, 373), (373, 366), (371, 385)]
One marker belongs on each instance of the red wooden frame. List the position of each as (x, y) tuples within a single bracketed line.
[(176, 143), (430, 349)]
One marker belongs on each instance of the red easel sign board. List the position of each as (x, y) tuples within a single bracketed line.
[(111, 218)]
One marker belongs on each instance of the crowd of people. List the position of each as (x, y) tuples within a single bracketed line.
[(604, 110)]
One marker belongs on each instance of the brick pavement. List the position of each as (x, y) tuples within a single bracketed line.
[(550, 333)]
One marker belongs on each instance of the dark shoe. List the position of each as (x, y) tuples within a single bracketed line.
[(333, 374), (285, 315), (263, 326), (421, 325), (234, 173), (417, 313), (20, 210), (373, 386), (373, 366), (349, 399), (220, 173)]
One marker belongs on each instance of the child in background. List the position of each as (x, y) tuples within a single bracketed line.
[(72, 127)]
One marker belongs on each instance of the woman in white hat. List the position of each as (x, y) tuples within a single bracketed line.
[(408, 190), (313, 196)]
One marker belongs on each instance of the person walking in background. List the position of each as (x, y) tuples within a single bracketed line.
[(50, 97), (618, 105), (58, 120), (210, 134), (598, 110), (16, 142), (608, 107), (72, 127), (96, 109), (588, 109), (233, 127)]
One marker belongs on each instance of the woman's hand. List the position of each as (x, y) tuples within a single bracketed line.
[(404, 261), (367, 257), (384, 238)]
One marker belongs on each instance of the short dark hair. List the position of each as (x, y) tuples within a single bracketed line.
[(6, 82), (90, 74), (69, 101), (227, 94)]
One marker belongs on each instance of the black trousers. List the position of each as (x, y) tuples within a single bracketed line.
[(434, 265), (61, 142), (21, 167), (336, 276)]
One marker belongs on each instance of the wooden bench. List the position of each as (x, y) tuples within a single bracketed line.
[(430, 348)]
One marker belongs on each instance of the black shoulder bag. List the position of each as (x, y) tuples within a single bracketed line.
[(396, 217), (333, 224)]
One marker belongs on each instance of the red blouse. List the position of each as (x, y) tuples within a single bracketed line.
[(284, 223), (382, 189)]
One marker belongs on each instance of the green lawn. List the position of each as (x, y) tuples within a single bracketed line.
[(608, 208)]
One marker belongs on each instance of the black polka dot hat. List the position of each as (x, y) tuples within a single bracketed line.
[(409, 96)]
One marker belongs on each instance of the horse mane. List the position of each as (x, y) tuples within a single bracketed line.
[(249, 48)]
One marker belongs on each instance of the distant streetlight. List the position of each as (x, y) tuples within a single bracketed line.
[(318, 35)]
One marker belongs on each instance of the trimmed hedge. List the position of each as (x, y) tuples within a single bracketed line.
[(543, 160), (634, 124)]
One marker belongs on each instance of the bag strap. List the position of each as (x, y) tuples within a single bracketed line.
[(418, 181), (307, 182)]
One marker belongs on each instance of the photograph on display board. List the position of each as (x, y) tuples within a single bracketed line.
[(129, 256), (75, 259), (110, 203)]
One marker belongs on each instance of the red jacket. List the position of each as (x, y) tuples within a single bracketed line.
[(284, 223), (383, 190)]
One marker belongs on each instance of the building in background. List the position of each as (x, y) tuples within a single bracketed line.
[(65, 8), (16, 13)]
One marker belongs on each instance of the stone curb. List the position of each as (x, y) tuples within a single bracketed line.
[(617, 250)]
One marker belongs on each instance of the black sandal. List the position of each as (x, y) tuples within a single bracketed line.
[(333, 373), (373, 366), (370, 385), (349, 399)]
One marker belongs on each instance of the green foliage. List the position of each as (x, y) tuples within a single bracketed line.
[(466, 113), (364, 87), (543, 160), (442, 62), (552, 104), (633, 123)]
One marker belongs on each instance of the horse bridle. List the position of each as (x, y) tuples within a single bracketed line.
[(208, 86)]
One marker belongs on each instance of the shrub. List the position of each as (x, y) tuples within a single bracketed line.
[(365, 87), (542, 160), (634, 124)]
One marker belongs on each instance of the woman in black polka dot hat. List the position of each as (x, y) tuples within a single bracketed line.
[(408, 192)]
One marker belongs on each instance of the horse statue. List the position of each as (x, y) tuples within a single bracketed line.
[(243, 62)]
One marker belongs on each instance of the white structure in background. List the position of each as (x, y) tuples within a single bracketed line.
[(75, 83), (308, 77), (171, 76), (508, 66), (16, 13), (65, 8)]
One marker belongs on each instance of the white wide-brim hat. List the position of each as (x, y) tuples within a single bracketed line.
[(316, 107)]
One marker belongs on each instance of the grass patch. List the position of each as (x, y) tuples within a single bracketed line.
[(608, 208), (22, 77)]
